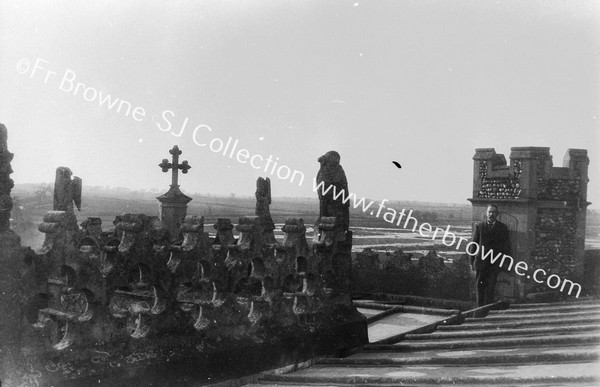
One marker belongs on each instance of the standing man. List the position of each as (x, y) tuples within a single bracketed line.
[(490, 234)]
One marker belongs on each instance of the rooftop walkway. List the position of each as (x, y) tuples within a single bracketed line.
[(553, 344)]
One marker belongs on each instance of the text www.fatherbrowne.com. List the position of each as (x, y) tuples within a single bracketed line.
[(448, 238)]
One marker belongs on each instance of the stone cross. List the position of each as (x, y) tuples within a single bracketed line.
[(175, 166)]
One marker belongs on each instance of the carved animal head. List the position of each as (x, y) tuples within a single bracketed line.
[(329, 158)]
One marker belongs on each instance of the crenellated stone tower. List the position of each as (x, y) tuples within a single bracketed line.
[(544, 207)]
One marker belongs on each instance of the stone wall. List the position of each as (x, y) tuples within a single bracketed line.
[(429, 277), (555, 242)]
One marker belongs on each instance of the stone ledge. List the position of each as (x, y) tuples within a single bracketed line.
[(177, 362)]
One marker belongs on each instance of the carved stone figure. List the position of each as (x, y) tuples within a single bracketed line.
[(263, 200), (332, 174)]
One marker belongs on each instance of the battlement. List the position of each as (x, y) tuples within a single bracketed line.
[(530, 175)]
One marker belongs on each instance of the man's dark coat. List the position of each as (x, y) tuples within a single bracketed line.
[(491, 238)]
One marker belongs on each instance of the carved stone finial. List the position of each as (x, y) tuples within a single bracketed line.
[(251, 233), (54, 226), (192, 230), (295, 236), (128, 226), (224, 235)]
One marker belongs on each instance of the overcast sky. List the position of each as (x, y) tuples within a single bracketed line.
[(422, 83)]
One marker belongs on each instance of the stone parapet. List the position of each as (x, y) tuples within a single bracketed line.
[(138, 288)]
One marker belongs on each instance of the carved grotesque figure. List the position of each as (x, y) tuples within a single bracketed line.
[(332, 174), (263, 197)]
